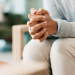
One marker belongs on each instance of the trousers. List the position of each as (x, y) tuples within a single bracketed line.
[(58, 53)]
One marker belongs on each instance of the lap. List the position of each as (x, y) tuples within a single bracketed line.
[(64, 44), (35, 47), (63, 56), (66, 41)]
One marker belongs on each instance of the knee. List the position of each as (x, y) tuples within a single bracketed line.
[(58, 49), (34, 49)]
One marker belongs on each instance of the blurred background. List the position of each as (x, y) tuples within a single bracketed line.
[(13, 12)]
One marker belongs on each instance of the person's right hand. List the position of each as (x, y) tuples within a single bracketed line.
[(45, 25)]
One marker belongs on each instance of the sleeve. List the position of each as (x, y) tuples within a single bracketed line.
[(59, 27), (52, 9), (67, 29)]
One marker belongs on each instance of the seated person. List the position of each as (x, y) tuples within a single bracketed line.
[(57, 20)]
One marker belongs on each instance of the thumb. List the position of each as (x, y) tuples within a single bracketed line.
[(33, 11)]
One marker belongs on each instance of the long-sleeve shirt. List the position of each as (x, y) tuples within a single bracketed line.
[(63, 11)]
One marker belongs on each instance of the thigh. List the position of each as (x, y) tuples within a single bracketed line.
[(36, 50), (68, 44), (63, 56)]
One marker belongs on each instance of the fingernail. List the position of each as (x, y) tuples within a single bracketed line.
[(46, 33), (31, 19), (32, 28), (45, 22), (44, 29), (32, 36), (27, 23), (44, 17), (33, 11)]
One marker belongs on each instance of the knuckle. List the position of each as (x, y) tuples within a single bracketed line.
[(29, 29), (34, 37), (32, 19), (33, 28), (40, 40), (28, 23), (41, 32), (44, 37), (41, 9), (47, 11), (31, 33), (29, 15), (31, 9), (41, 24), (40, 18)]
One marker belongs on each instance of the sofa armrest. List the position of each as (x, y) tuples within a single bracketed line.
[(18, 41)]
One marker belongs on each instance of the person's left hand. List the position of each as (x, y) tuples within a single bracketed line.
[(41, 20)]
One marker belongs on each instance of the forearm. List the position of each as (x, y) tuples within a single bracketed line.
[(67, 29)]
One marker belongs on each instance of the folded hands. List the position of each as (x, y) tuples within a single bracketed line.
[(41, 25)]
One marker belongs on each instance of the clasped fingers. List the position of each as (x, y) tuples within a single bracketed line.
[(35, 27), (38, 26), (38, 18), (39, 34), (30, 23)]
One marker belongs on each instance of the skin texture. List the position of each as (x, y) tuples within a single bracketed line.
[(41, 25)]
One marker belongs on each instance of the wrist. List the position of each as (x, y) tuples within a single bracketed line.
[(55, 25)]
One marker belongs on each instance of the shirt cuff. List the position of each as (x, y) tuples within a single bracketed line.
[(59, 26)]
